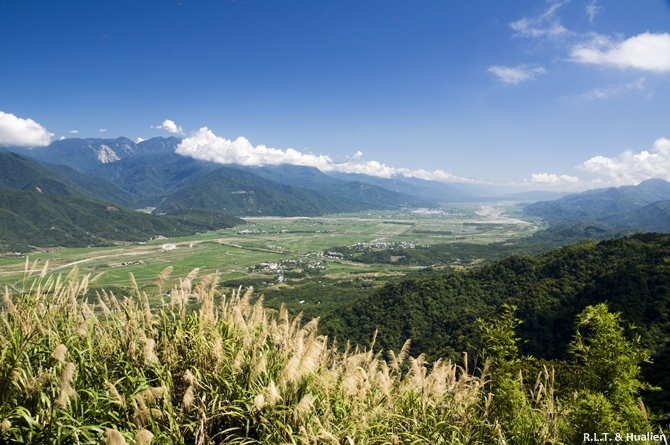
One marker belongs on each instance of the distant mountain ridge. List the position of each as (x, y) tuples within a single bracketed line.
[(434, 192), (243, 193), (362, 192), (155, 176), (640, 207), (86, 154), (21, 173), (151, 174)]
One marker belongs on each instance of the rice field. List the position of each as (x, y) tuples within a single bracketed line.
[(231, 252)]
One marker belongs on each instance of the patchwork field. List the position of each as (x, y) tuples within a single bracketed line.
[(235, 254)]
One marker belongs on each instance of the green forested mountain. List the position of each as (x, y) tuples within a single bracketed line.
[(240, 192), (21, 173), (152, 177), (364, 194), (623, 207), (151, 172), (654, 217), (439, 313), (434, 191), (85, 155), (33, 218)]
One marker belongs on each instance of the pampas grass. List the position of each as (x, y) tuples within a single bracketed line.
[(222, 371)]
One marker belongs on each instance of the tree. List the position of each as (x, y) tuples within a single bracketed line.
[(606, 397)]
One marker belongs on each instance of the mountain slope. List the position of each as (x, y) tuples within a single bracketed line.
[(242, 193), (439, 312), (362, 194), (654, 217), (614, 206), (436, 193), (152, 177), (85, 155), (33, 218), (20, 173)]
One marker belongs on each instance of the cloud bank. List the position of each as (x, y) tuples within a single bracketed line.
[(632, 168), (553, 179), (204, 144), (22, 132), (628, 168)]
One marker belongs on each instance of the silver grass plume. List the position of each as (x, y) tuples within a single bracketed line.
[(148, 352), (272, 393), (259, 401), (7, 301), (59, 353), (114, 395), (192, 274), (113, 437), (189, 397), (244, 301), (189, 377), (143, 417), (162, 277), (143, 437), (66, 391), (304, 406)]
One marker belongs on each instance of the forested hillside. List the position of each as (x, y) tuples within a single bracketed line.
[(22, 173), (31, 218), (239, 192), (439, 313), (642, 207)]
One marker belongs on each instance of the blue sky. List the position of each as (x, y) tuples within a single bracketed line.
[(562, 95)]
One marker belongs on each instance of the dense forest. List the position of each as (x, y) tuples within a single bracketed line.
[(31, 218), (440, 313)]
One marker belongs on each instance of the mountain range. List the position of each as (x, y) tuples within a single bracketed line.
[(150, 174), (643, 207)]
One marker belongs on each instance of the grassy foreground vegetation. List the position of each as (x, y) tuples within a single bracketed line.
[(208, 368)]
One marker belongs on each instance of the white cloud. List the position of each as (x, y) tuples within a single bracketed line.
[(614, 90), (62, 138), (22, 132), (204, 144), (647, 51), (632, 168), (592, 10), (553, 179), (516, 74), (139, 139), (543, 25), (170, 127), (102, 130), (73, 131)]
